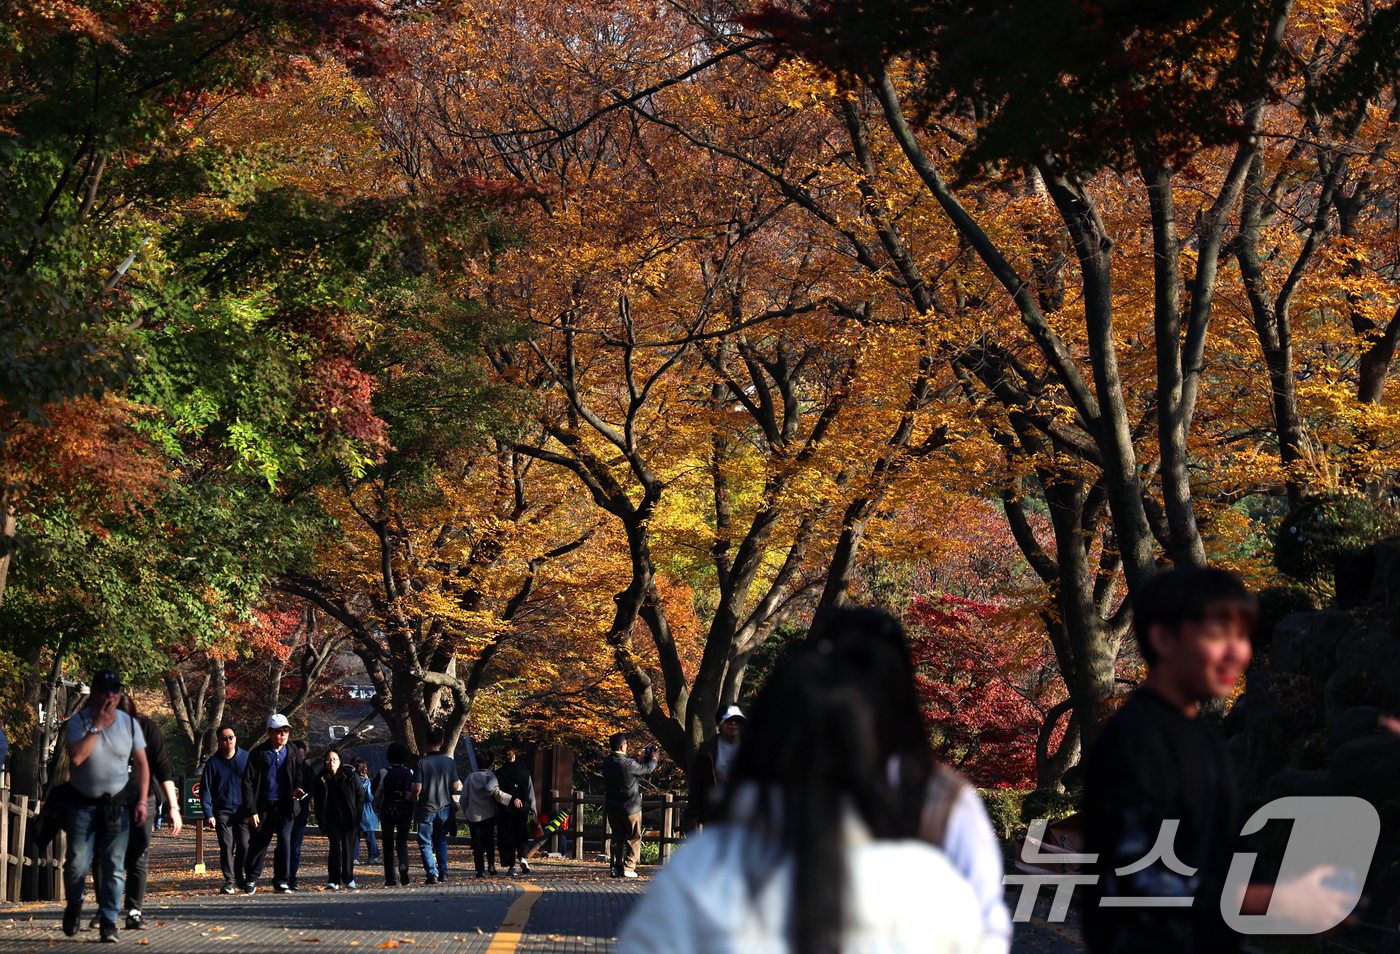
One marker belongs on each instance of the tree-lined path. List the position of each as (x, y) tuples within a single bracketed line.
[(564, 907)]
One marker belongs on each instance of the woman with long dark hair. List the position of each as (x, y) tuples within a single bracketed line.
[(950, 813), (818, 852), (339, 802)]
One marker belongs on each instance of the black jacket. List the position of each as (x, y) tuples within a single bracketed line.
[(157, 759), (339, 799), (699, 803), (1153, 764), (621, 793), (255, 775), (514, 779)]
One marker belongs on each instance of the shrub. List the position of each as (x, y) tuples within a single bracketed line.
[(1049, 805), (1326, 532), (1004, 807)]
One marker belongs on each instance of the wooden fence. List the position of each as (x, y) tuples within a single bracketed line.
[(27, 878), (665, 835)]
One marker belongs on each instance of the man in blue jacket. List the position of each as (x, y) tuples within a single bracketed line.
[(221, 791)]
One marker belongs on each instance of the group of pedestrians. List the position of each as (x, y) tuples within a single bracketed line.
[(824, 825), (253, 798)]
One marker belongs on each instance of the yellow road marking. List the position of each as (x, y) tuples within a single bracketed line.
[(513, 924)]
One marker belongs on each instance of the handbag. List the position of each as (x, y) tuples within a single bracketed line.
[(536, 829)]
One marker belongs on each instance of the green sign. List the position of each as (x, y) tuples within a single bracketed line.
[(194, 808)]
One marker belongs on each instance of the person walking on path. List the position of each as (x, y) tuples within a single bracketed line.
[(106, 750), (813, 855), (339, 799), (300, 820), (513, 821), (484, 800), (274, 782), (369, 818), (221, 794), (395, 798), (435, 782), (163, 777), (622, 801), (1158, 767), (709, 769)]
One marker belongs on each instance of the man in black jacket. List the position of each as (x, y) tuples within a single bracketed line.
[(622, 802), (274, 784), (1161, 801), (513, 826), (163, 783), (709, 770), (221, 792)]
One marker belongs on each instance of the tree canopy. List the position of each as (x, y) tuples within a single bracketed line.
[(561, 363)]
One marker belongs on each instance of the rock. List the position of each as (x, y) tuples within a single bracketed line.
[(1368, 767), (1306, 643), (1352, 724), (1284, 784), (1256, 691), (1269, 737), (1385, 583), (1368, 675)]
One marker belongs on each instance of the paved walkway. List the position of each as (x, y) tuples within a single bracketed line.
[(563, 907)]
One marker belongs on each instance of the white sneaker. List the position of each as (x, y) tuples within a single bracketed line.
[(524, 866), (352, 886), (332, 886), (511, 872), (629, 874)]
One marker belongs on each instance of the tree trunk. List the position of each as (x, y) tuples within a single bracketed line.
[(1050, 769), (1185, 546), (7, 536)]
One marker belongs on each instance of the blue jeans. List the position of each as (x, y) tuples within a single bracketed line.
[(370, 840), (298, 836), (94, 842), (432, 838)]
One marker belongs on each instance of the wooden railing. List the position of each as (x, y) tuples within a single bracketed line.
[(667, 834), (27, 878)]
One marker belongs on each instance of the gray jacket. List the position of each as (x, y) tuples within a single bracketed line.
[(621, 793), (483, 796)]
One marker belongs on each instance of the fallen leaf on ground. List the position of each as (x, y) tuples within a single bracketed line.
[(386, 944), (311, 940)]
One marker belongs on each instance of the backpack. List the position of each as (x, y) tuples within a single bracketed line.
[(394, 803)]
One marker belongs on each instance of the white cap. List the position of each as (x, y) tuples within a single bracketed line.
[(278, 721), (732, 712)]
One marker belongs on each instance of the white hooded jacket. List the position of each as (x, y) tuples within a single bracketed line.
[(903, 896)]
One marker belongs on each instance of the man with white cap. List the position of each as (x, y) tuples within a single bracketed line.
[(273, 783), (709, 769)]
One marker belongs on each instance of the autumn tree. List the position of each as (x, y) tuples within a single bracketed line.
[(708, 375)]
